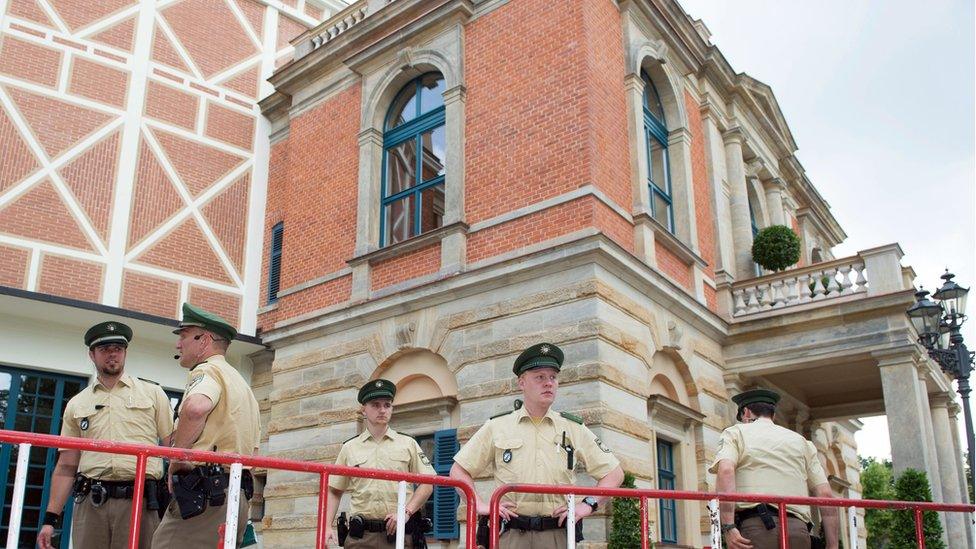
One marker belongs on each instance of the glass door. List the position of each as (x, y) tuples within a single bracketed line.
[(32, 401)]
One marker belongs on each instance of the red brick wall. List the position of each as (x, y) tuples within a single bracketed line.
[(526, 138), (68, 277), (311, 299), (704, 216), (404, 267), (669, 264), (171, 105), (606, 101), (150, 294), (14, 263), (221, 303), (323, 175)]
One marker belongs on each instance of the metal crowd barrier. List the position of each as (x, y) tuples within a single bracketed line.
[(236, 463), (713, 500)]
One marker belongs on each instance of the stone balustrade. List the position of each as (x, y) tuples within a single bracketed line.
[(823, 281), (341, 22)]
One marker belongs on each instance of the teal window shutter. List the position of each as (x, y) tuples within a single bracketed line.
[(274, 263), (445, 497)]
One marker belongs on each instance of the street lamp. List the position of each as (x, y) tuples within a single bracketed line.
[(939, 331)]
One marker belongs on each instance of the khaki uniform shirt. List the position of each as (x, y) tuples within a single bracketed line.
[(134, 411), (770, 459), (514, 449), (234, 424), (373, 498)]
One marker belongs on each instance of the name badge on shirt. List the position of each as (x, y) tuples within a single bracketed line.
[(507, 456), (84, 424)]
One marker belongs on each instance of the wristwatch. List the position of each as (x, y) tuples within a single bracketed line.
[(591, 501), (53, 519), (728, 527)]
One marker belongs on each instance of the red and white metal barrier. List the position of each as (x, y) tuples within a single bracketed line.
[(236, 462), (917, 507)]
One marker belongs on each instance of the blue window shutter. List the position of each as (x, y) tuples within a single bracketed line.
[(274, 262), (445, 497)]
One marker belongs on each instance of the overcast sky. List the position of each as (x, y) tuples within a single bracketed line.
[(879, 96)]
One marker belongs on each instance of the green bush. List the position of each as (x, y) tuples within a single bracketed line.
[(625, 520), (878, 484), (913, 485), (776, 247)]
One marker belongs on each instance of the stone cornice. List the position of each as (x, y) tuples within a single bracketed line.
[(586, 249)]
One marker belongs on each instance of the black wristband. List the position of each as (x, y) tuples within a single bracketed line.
[(53, 519)]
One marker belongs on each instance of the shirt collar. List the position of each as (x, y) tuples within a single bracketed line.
[(522, 413), (124, 379), (390, 434)]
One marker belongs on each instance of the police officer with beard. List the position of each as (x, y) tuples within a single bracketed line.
[(120, 408)]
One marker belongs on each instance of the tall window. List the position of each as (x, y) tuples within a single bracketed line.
[(33, 402), (665, 481), (274, 262), (756, 268), (413, 161), (658, 168)]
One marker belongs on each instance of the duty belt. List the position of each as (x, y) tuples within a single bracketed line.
[(766, 513), (533, 523), (101, 490)]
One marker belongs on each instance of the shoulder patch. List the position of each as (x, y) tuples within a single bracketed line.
[(148, 380), (572, 417), (505, 413)]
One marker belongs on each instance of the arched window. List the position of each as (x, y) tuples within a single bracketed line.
[(413, 161), (658, 169)]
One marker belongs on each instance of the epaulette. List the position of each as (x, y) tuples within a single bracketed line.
[(350, 438), (148, 381), (505, 413), (572, 417)]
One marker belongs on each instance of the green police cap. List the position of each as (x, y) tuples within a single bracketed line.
[(540, 355), (377, 388), (751, 397), (108, 333), (195, 316)]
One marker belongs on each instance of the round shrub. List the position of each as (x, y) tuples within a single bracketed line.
[(776, 247)]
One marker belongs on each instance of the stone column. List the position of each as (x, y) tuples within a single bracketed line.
[(955, 522), (739, 204), (454, 245), (643, 232), (906, 426), (774, 200)]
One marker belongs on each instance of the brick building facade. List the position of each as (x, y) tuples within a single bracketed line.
[(453, 180), (134, 177)]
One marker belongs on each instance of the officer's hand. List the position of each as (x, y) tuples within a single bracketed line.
[(582, 511), (734, 540), (506, 509), (44, 537), (331, 538), (391, 522)]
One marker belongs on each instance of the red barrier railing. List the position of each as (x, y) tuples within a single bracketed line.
[(144, 452), (780, 501)]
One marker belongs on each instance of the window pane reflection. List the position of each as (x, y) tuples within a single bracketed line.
[(433, 147), (431, 208), (401, 167), (399, 219), (431, 92)]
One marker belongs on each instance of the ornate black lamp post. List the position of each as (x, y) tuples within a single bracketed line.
[(938, 326)]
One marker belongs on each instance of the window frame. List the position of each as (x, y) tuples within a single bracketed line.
[(667, 508), (274, 261), (657, 131), (422, 123)]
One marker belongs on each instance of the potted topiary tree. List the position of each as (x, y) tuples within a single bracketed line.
[(625, 520), (776, 248), (913, 485)]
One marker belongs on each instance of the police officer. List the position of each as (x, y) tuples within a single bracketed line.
[(120, 408), (534, 444), (218, 413), (373, 505), (758, 456)]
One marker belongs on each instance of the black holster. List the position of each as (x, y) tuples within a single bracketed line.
[(342, 528), (417, 527), (483, 534), (190, 492), (357, 526), (579, 530), (152, 494)]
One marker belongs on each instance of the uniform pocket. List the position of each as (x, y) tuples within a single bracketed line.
[(508, 455)]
